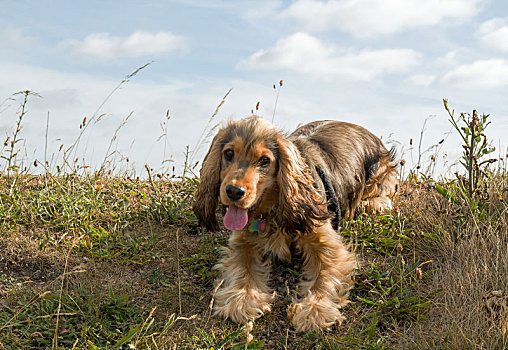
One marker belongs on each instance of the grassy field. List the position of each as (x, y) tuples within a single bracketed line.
[(98, 260)]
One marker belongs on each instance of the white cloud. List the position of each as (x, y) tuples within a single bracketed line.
[(450, 59), (494, 33), (479, 74), (307, 55), (263, 9), (103, 46), (422, 79), (371, 18), (15, 39)]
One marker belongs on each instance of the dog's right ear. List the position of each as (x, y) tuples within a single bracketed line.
[(206, 197)]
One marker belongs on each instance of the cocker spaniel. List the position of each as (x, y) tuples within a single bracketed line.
[(285, 192)]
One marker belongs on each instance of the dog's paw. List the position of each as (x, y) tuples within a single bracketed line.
[(242, 305), (312, 314)]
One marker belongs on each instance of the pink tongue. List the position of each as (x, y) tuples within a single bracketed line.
[(235, 218)]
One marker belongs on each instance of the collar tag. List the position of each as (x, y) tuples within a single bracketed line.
[(258, 226)]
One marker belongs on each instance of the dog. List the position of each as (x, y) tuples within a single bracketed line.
[(288, 193)]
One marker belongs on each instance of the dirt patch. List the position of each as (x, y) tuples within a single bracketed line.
[(23, 260)]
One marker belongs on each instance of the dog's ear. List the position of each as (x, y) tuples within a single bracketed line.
[(300, 205), (206, 197)]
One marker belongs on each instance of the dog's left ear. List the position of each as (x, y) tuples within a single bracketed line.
[(300, 205), (206, 197)]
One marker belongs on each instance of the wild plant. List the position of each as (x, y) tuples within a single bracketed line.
[(10, 144), (471, 188)]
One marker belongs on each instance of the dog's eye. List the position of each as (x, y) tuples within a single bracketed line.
[(229, 154), (264, 161)]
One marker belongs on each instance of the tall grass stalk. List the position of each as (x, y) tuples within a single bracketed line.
[(276, 99), (12, 143), (113, 139), (96, 117), (208, 132)]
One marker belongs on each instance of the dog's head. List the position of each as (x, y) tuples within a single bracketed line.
[(254, 169)]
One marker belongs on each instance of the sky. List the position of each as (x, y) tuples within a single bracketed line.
[(382, 64)]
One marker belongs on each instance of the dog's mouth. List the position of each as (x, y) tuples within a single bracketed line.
[(236, 218)]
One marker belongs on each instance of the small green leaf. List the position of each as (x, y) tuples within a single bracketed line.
[(129, 336), (447, 194)]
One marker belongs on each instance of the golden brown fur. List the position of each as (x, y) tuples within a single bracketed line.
[(278, 181)]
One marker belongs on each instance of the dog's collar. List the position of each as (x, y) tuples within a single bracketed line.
[(258, 226), (331, 197)]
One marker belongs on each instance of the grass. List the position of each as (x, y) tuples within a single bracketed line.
[(104, 260), (133, 246)]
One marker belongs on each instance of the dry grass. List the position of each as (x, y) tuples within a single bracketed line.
[(470, 261)]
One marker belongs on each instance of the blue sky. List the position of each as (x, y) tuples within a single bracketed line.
[(385, 65)]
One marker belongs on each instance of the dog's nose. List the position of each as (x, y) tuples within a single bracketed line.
[(234, 192)]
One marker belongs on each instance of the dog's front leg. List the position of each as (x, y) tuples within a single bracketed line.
[(327, 269), (244, 294)]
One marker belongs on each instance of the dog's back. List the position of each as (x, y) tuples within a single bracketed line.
[(357, 164)]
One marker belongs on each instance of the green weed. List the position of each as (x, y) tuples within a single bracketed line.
[(202, 263), (382, 234), (97, 320), (234, 340), (390, 292)]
